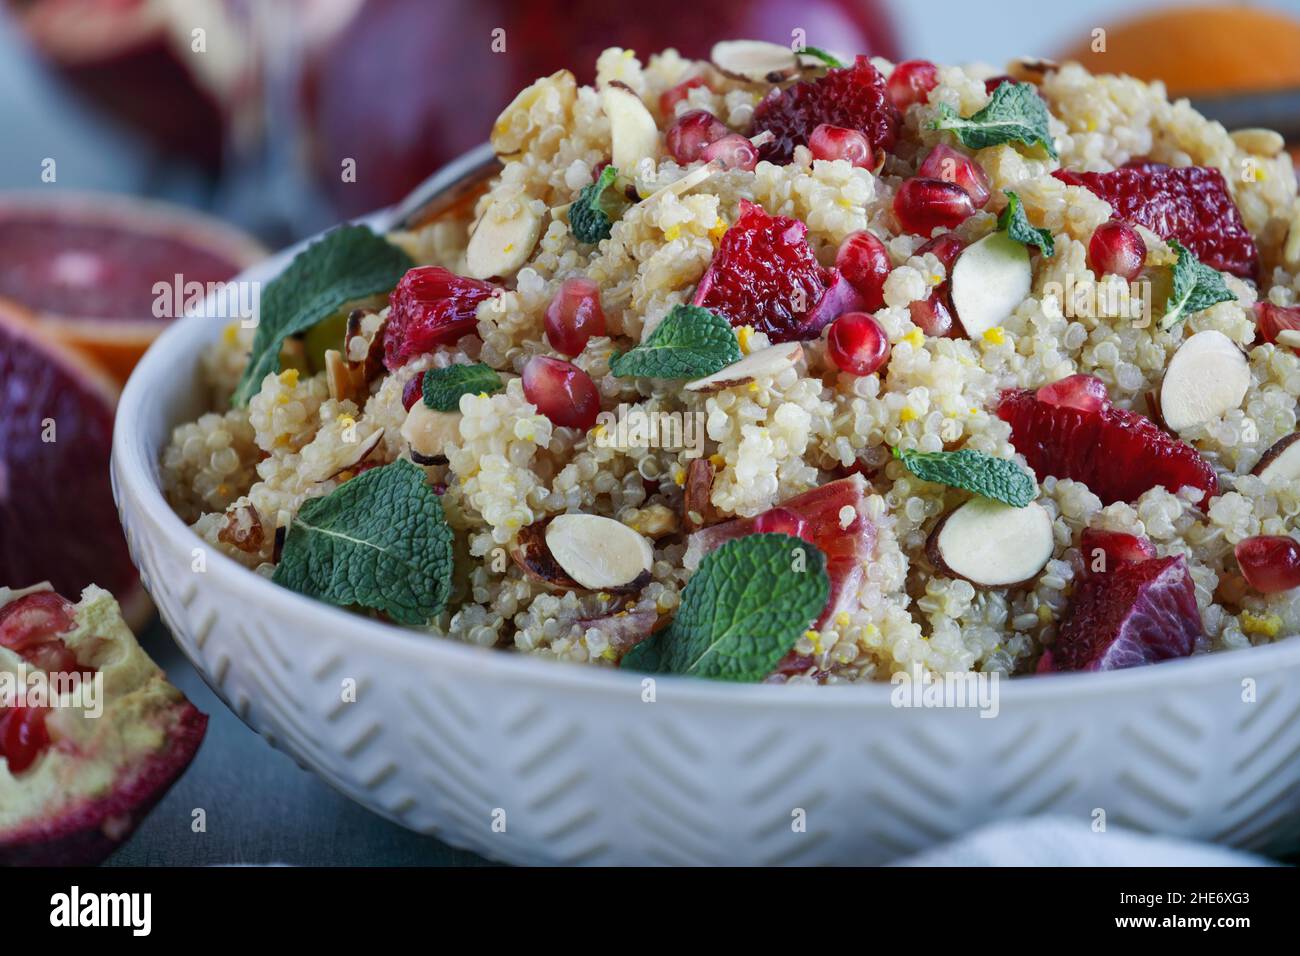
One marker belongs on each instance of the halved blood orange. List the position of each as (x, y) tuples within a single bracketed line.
[(87, 266), (58, 522)]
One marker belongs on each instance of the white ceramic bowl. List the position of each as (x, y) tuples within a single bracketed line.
[(530, 761)]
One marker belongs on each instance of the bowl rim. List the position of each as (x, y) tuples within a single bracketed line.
[(135, 466)]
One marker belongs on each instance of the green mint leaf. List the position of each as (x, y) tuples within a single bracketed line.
[(349, 263), (997, 478), (593, 213), (1196, 286), (377, 541), (817, 53), (443, 387), (742, 610), (1016, 224), (690, 342), (1015, 114)]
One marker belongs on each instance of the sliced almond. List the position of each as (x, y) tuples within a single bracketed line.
[(503, 239), (990, 279), (688, 182), (428, 432), (1288, 337), (1281, 462), (697, 496), (1207, 376), (755, 61), (1031, 69), (363, 343), (1257, 141), (529, 551), (764, 363), (601, 554), (337, 376), (633, 134), (347, 456), (991, 544)]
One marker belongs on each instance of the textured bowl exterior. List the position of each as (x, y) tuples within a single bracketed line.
[(531, 761)]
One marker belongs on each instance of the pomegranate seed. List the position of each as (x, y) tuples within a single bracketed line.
[(1084, 392), (1269, 562), (733, 151), (32, 627), (781, 521), (857, 344), (953, 166), (863, 260), (946, 248), (1271, 319), (412, 391), (933, 314), (691, 132), (561, 391), (1116, 247), (574, 316), (1113, 548), (911, 82), (924, 205), (23, 736), (669, 99), (835, 142)]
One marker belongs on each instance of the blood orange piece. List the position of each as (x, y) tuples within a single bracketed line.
[(58, 521), (431, 306)]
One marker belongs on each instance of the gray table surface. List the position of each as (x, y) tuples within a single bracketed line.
[(261, 807)]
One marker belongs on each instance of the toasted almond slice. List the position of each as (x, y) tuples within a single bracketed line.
[(989, 280), (1207, 376), (337, 376), (633, 134), (348, 455), (1288, 337), (1031, 69), (1291, 251), (697, 496), (764, 363), (534, 558), (1257, 141), (601, 554), (692, 179), (428, 432), (755, 61), (991, 544), (1281, 462), (503, 239)]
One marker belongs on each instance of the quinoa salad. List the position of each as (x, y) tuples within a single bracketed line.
[(792, 366)]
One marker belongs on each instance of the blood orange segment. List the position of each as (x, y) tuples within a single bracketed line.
[(58, 521), (1118, 454)]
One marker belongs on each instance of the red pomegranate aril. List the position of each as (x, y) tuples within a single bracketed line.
[(1104, 550), (952, 166), (23, 736), (1270, 562), (911, 82), (691, 132), (924, 205), (857, 344), (561, 391), (733, 151), (781, 521), (1086, 393), (933, 315), (669, 99), (32, 626), (863, 260), (1118, 249), (1271, 319), (946, 248), (835, 142), (574, 316), (413, 391)]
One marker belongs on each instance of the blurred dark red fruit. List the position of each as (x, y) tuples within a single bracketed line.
[(863, 260), (1106, 550), (1116, 248), (424, 49), (1271, 319), (561, 391), (1087, 393), (1137, 613), (911, 82), (431, 306), (669, 99), (1188, 203), (924, 205), (691, 132), (857, 344), (1269, 562), (993, 82), (835, 142), (853, 97), (764, 274), (1118, 454), (574, 315), (952, 166), (733, 151)]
